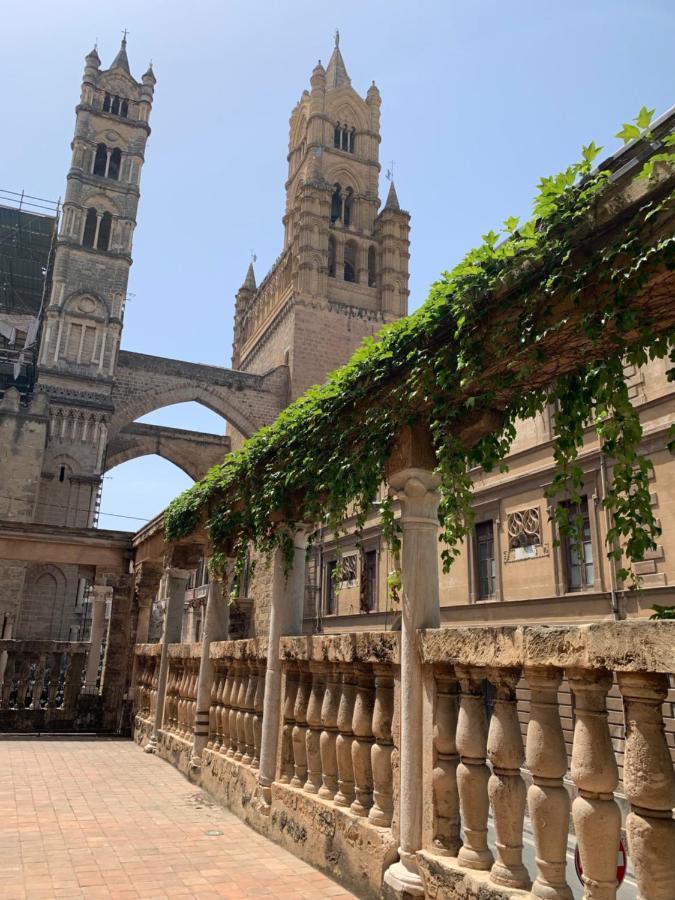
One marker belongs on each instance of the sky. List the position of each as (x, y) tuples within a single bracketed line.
[(479, 100)]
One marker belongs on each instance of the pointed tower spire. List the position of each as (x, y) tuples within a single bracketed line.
[(249, 282), (392, 198), (336, 73), (121, 61)]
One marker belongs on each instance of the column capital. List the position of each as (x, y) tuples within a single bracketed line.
[(180, 574), (417, 492), (101, 592)]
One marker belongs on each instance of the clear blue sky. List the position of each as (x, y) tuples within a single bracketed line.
[(479, 99)]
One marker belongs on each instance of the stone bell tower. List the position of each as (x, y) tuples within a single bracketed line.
[(82, 323), (343, 272)]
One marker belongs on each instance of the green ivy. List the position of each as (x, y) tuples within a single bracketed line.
[(326, 454)]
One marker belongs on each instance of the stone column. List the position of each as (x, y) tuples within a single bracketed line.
[(288, 595), (649, 784), (175, 598), (216, 626), (99, 595), (416, 489)]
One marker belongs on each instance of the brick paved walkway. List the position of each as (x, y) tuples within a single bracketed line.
[(100, 818)]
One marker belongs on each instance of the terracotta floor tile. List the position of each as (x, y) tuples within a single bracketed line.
[(97, 818)]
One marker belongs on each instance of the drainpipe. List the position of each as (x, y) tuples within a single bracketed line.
[(614, 599)]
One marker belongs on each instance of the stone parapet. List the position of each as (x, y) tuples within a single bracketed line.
[(367, 647), (245, 649), (631, 646)]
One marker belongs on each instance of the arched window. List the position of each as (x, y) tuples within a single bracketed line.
[(331, 257), (104, 229), (107, 101), (350, 262), (350, 141), (336, 203), (115, 106), (337, 136), (371, 266), (124, 108), (89, 228), (115, 163), (347, 213), (101, 159)]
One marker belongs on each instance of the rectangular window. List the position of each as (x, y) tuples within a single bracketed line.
[(487, 566), (579, 555), (330, 587), (369, 581)]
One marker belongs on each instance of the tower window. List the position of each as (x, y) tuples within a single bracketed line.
[(331, 257), (371, 266), (62, 473), (115, 105), (101, 159), (115, 163), (89, 235), (350, 262), (347, 209), (336, 204), (343, 138), (104, 229)]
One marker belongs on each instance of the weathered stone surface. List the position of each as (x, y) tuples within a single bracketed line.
[(248, 649), (630, 646), (444, 880), (359, 647)]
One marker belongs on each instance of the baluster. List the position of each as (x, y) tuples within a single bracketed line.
[(225, 700), (447, 840), (362, 726), (8, 681), (290, 694), (343, 745), (154, 688), (241, 711), (313, 735), (300, 728), (597, 820), (547, 800), (649, 785), (472, 772), (22, 680), (327, 748), (73, 681), (381, 751), (258, 701), (39, 683), (249, 715), (53, 683), (211, 744), (506, 787), (193, 697), (232, 717)]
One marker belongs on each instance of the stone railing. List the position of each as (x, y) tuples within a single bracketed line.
[(237, 695), (482, 766), (501, 707), (40, 683), (147, 680), (338, 712), (181, 690)]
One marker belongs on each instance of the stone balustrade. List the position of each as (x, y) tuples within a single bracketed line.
[(484, 765), (337, 738), (147, 680), (40, 683), (489, 758), (237, 693)]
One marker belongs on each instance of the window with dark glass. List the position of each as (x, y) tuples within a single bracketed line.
[(371, 267), (101, 159), (330, 586), (369, 581), (578, 549), (336, 203), (115, 163), (89, 228), (347, 210), (331, 257), (104, 229), (350, 262), (487, 567)]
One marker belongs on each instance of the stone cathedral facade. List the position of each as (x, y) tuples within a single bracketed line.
[(342, 274)]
